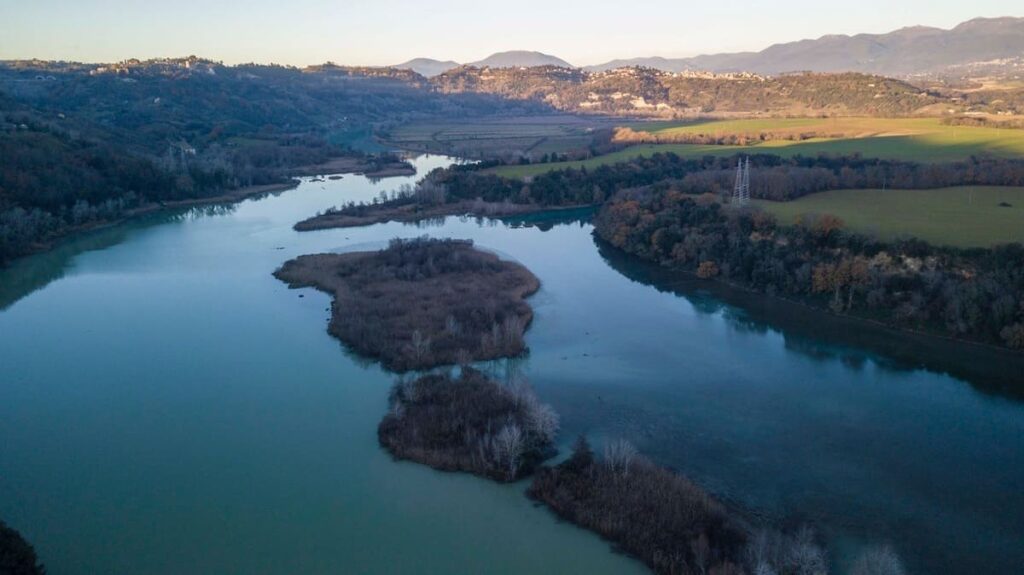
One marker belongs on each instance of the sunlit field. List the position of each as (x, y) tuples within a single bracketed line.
[(968, 216)]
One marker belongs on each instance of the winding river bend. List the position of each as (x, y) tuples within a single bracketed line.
[(166, 406)]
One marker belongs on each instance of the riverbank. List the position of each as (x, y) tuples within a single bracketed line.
[(365, 215), (340, 165), (422, 303), (358, 166), (969, 295), (231, 197)]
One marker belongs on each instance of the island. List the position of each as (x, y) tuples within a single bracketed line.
[(422, 303), (469, 423)]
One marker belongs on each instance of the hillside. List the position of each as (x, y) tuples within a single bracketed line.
[(648, 92), (520, 58), (85, 144), (917, 50)]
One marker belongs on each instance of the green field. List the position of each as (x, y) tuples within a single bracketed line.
[(968, 216), (913, 139)]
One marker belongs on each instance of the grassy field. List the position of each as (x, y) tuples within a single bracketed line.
[(914, 139), (967, 216)]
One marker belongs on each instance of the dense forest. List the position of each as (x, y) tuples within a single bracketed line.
[(972, 294), (87, 143)]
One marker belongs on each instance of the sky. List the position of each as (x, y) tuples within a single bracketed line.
[(382, 32)]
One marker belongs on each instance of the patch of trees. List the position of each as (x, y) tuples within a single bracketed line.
[(975, 294), (631, 136), (648, 511), (469, 423), (772, 177), (422, 302), (985, 122), (675, 527), (17, 557)]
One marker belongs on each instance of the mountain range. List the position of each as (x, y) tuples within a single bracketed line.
[(995, 43)]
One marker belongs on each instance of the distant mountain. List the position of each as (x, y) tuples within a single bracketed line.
[(519, 59), (427, 66), (904, 52), (656, 62)]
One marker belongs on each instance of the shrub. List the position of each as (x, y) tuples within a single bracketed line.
[(469, 423)]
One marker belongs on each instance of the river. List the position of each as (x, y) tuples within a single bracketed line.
[(166, 406)]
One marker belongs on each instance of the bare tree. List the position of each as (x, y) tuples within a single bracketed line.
[(509, 445), (511, 333), (806, 557), (701, 553), (878, 560), (619, 455), (420, 346), (543, 421)]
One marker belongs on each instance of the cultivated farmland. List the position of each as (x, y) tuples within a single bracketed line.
[(968, 216)]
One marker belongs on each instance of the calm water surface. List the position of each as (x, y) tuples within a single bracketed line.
[(166, 406)]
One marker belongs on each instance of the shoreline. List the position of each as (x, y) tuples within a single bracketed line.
[(334, 166), (356, 166), (411, 214), (931, 338)]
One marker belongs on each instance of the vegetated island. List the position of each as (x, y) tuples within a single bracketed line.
[(469, 423), (423, 302), (17, 557), (675, 527)]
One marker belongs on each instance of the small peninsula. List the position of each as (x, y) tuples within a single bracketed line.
[(469, 423), (422, 303)]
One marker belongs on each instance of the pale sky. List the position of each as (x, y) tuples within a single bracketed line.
[(380, 32)]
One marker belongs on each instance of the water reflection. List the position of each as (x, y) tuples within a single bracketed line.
[(30, 273), (823, 337)]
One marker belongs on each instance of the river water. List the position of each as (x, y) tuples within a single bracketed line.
[(166, 406)]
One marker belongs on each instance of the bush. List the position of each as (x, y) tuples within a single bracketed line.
[(17, 557)]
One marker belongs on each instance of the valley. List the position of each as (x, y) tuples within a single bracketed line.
[(289, 308)]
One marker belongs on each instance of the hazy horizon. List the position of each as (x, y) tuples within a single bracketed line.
[(308, 32)]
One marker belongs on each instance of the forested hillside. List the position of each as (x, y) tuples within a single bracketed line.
[(84, 143), (649, 92)]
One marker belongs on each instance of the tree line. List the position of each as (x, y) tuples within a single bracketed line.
[(773, 177), (972, 294)]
